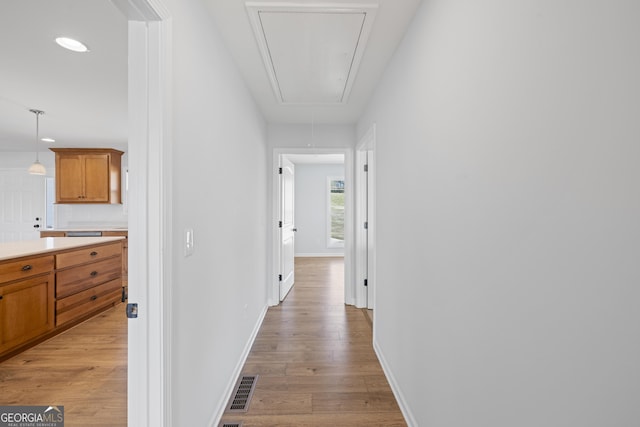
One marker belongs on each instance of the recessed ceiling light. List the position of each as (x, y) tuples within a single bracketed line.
[(72, 44), (48, 140)]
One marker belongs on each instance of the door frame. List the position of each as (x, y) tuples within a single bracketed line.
[(150, 231), (365, 264), (274, 265)]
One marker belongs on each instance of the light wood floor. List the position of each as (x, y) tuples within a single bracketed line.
[(313, 355), (315, 359), (83, 369)]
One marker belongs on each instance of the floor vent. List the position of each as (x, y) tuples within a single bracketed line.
[(242, 396), (231, 425)]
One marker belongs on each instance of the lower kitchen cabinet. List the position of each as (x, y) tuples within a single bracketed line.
[(41, 295), (26, 300), (26, 310), (87, 279), (89, 300)]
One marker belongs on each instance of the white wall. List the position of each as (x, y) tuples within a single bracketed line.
[(507, 212), (21, 159), (302, 136), (311, 208), (219, 191)]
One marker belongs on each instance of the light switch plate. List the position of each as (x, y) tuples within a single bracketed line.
[(188, 242)]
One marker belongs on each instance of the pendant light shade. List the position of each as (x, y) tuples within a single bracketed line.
[(37, 168)]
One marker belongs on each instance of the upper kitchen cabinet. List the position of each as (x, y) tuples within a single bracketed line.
[(88, 175)]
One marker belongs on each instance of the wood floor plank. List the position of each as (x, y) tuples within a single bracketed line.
[(315, 359), (83, 369), (373, 419)]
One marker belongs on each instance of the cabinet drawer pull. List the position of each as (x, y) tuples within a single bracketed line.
[(26, 267), (1, 297), (94, 253), (94, 297), (94, 273)]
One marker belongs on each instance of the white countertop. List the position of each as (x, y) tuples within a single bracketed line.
[(19, 249)]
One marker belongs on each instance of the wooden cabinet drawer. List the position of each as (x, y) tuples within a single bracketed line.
[(89, 254), (81, 303), (86, 276), (27, 267)]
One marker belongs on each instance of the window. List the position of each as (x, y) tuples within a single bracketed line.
[(335, 226)]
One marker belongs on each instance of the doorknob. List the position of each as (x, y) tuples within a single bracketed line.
[(36, 226), (294, 229)]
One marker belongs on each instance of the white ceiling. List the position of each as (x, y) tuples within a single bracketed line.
[(84, 96), (391, 20), (311, 52)]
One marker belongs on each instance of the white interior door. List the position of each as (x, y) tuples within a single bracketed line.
[(370, 231), (365, 231), (22, 205), (287, 230)]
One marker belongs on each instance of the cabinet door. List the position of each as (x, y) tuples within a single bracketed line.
[(96, 174), (26, 310), (69, 178)]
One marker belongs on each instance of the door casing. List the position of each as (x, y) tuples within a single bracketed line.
[(150, 231), (275, 261)]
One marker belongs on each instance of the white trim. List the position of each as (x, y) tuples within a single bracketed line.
[(219, 412), (397, 392), (137, 393), (149, 336), (272, 280), (319, 255)]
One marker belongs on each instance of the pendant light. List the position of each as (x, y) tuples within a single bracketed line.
[(37, 168)]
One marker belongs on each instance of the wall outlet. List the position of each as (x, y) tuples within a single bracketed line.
[(188, 242)]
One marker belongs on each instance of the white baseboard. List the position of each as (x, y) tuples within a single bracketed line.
[(319, 255), (408, 415), (219, 412)]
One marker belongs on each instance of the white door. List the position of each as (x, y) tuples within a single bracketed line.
[(365, 232), (287, 229), (22, 205), (370, 238)]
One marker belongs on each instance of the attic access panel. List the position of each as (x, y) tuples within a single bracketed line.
[(311, 52)]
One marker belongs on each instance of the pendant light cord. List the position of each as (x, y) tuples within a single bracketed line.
[(37, 113), (37, 135)]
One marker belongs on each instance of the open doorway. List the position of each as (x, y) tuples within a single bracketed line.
[(318, 210), (312, 210)]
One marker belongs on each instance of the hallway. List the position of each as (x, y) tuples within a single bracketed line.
[(315, 359)]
